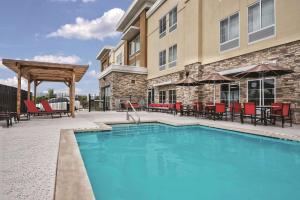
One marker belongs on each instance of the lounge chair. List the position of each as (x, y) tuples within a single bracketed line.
[(281, 111), (249, 111), (6, 117), (48, 109), (32, 110)]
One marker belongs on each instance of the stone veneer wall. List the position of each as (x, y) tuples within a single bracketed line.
[(122, 87), (287, 86)]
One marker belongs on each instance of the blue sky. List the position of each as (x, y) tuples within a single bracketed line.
[(71, 31)]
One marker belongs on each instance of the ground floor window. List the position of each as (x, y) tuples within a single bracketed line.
[(230, 93), (162, 96), (150, 95), (172, 96), (262, 91)]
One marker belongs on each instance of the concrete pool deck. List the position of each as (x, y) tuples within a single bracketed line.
[(29, 149)]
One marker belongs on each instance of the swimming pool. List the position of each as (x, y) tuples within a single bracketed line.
[(156, 161)]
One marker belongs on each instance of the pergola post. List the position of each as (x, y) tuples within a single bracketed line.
[(19, 90), (72, 95), (34, 91), (28, 88)]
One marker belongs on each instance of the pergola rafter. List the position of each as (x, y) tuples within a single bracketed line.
[(38, 72)]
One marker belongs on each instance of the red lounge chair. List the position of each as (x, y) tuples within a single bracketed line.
[(32, 110), (220, 111), (282, 111), (249, 111), (235, 110), (48, 109)]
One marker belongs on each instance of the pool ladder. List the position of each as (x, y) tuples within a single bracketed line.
[(128, 115)]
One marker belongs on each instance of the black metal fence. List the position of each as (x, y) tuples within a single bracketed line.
[(8, 99)]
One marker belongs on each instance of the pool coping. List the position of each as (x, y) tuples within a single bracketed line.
[(72, 180)]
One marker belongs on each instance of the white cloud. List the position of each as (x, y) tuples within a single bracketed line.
[(100, 28), (93, 74), (57, 59), (14, 82)]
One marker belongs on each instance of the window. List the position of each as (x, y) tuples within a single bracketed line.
[(261, 92), (151, 95), (134, 45), (172, 96), (229, 32), (162, 96), (173, 19), (162, 59), (230, 93), (119, 59), (162, 26), (261, 20), (172, 55)]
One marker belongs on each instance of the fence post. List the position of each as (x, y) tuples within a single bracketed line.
[(89, 102)]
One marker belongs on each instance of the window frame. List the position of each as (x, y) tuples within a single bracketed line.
[(262, 87), (172, 63), (174, 25), (134, 43), (162, 34), (163, 66), (172, 94), (161, 97), (230, 40), (260, 22), (229, 84)]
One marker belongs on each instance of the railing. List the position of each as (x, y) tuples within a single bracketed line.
[(128, 115)]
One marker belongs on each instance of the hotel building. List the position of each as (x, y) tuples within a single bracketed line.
[(198, 37)]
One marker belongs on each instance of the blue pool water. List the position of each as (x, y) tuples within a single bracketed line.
[(161, 162)]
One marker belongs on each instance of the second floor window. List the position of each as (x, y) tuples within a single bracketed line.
[(162, 26), (134, 45), (172, 55), (173, 19), (162, 59), (229, 28)]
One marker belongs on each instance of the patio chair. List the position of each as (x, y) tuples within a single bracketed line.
[(178, 108), (250, 112), (220, 111), (48, 109), (283, 112), (32, 110), (235, 110), (198, 109)]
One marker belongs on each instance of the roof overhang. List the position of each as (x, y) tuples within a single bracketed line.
[(236, 70), (103, 51), (155, 6), (130, 33), (46, 71), (133, 12), (163, 83), (123, 69)]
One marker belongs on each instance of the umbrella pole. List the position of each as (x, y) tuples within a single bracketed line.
[(214, 93)]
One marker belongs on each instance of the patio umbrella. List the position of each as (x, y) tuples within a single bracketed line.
[(188, 81), (213, 79), (264, 70)]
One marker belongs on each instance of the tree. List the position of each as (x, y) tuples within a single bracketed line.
[(50, 94)]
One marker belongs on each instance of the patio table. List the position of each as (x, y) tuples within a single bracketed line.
[(187, 109), (263, 113)]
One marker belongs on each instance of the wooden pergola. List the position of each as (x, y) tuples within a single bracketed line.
[(37, 72)]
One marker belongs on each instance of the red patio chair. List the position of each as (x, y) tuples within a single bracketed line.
[(198, 109), (249, 111), (220, 111), (283, 112), (178, 108), (32, 110), (235, 110), (48, 109)]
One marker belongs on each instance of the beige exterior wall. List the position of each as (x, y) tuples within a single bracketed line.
[(119, 50), (186, 36), (287, 22)]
